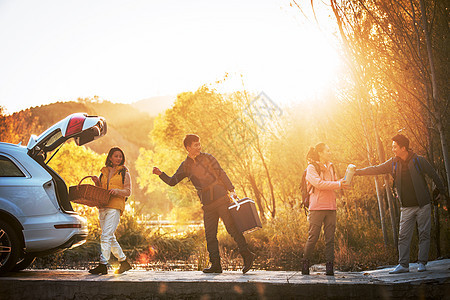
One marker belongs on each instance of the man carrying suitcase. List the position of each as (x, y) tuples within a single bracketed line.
[(212, 185)]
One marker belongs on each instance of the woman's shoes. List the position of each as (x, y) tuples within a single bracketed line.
[(101, 269), (124, 266)]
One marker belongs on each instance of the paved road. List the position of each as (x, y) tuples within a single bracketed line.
[(137, 284)]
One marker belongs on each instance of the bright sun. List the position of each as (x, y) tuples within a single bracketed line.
[(126, 52), (300, 72)]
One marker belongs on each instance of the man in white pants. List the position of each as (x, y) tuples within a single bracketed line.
[(408, 170)]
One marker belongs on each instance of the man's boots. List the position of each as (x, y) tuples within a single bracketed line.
[(330, 268), (305, 267), (248, 257), (215, 267), (101, 269)]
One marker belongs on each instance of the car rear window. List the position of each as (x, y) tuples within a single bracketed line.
[(54, 138), (8, 168)]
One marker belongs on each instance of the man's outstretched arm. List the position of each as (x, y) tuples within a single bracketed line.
[(172, 181), (384, 168)]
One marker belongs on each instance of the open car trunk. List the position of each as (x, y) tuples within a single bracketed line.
[(82, 128), (61, 190)]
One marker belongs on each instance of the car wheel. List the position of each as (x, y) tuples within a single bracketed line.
[(24, 262), (9, 247)]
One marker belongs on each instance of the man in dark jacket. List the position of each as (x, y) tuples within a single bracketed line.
[(408, 170), (213, 186)]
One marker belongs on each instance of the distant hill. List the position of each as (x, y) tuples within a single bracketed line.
[(154, 105)]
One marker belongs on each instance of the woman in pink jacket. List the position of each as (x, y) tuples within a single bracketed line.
[(322, 182)]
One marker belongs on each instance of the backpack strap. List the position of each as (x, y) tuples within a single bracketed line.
[(417, 164), (394, 169), (317, 167), (335, 172)]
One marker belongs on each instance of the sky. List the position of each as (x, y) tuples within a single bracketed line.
[(125, 51)]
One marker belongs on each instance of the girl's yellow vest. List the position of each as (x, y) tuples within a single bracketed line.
[(115, 182)]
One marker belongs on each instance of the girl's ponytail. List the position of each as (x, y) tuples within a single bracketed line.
[(313, 153)]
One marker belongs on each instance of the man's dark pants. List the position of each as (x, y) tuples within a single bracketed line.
[(211, 214)]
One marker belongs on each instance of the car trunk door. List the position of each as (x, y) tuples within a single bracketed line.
[(79, 126)]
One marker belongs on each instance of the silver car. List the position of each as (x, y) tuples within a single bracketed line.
[(36, 217)]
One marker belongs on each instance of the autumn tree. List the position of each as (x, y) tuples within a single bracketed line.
[(233, 127)]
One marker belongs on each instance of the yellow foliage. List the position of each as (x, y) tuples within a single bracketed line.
[(74, 162), (16, 128)]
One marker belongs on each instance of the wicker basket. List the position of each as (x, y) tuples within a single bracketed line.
[(89, 195)]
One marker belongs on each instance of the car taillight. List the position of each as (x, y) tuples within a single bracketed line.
[(60, 226), (75, 125)]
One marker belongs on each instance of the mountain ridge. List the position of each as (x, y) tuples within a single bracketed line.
[(155, 105)]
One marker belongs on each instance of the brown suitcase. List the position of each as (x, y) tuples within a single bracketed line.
[(245, 215), (88, 194)]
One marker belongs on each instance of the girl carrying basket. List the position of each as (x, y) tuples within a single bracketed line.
[(115, 178)]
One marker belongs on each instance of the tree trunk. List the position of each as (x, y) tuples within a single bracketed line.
[(435, 90), (392, 210), (378, 190), (257, 196), (390, 198), (357, 74), (382, 211), (435, 209), (446, 161), (269, 179)]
